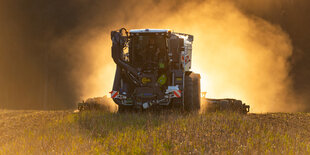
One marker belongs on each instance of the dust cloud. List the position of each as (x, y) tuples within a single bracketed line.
[(238, 56), (54, 54)]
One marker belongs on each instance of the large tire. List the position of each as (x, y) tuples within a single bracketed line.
[(188, 93), (196, 91), (123, 109)]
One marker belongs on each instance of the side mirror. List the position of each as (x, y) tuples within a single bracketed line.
[(190, 38)]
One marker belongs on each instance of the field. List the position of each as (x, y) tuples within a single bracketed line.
[(65, 132)]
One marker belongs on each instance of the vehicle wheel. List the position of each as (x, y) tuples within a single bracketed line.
[(123, 109), (196, 91), (188, 94)]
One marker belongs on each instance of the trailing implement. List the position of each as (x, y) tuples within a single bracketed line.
[(232, 105)]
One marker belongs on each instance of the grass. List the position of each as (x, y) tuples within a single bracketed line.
[(164, 133)]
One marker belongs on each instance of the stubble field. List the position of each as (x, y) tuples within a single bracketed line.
[(65, 132)]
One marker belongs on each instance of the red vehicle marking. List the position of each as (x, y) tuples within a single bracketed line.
[(114, 94), (177, 93)]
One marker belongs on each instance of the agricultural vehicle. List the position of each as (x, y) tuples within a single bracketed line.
[(154, 70)]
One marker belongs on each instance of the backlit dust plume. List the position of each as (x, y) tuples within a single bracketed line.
[(238, 55)]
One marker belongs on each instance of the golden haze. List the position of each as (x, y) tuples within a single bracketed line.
[(238, 56)]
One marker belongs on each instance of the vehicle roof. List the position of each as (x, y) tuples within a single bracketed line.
[(145, 31), (149, 31)]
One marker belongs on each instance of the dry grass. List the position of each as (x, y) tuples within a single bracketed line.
[(144, 133)]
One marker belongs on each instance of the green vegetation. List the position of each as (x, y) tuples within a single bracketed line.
[(165, 133)]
